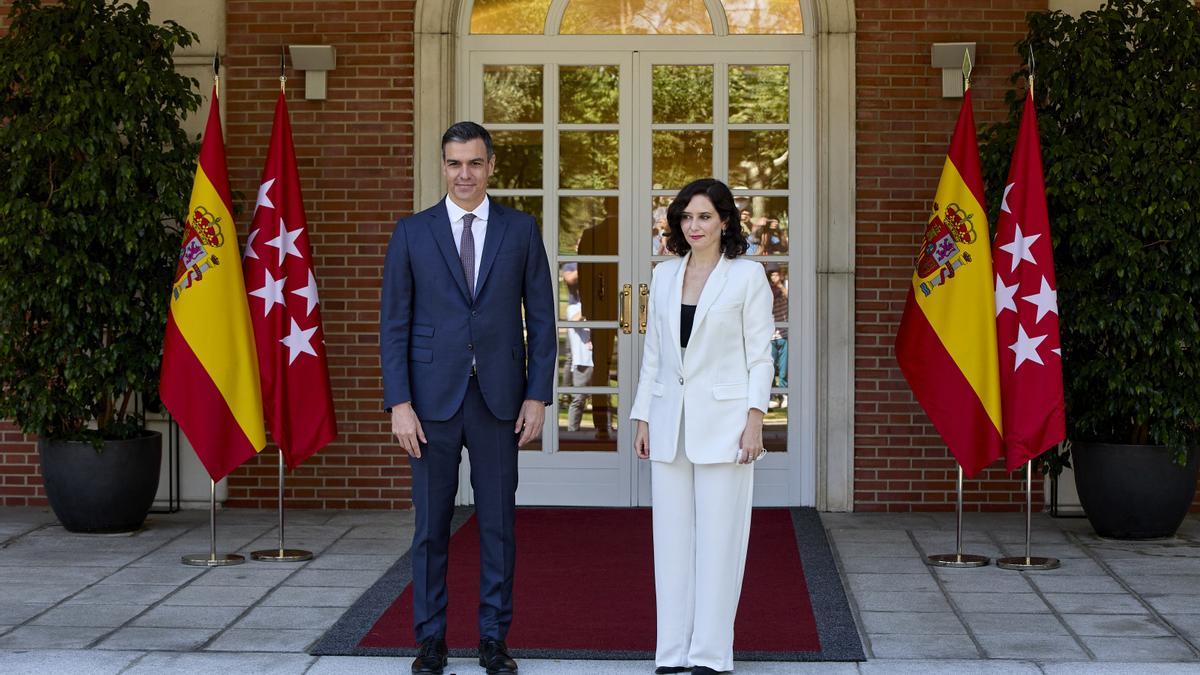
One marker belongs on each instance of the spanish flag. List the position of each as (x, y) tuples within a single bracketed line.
[(209, 377), (946, 344)]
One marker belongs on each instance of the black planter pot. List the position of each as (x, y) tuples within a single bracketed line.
[(1133, 491), (106, 491)]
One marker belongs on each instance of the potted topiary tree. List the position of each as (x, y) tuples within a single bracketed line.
[(94, 172), (1119, 116)]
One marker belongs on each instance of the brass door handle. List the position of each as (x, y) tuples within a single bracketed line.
[(626, 308), (643, 306)]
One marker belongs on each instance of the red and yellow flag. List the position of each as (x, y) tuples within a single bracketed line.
[(946, 344), (209, 378)]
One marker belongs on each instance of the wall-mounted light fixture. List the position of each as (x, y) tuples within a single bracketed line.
[(315, 61), (949, 57)]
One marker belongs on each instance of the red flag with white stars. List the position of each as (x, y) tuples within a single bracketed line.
[(285, 308), (1031, 385)]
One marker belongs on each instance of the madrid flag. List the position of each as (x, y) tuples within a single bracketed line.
[(946, 344), (1031, 384), (209, 378), (285, 308)]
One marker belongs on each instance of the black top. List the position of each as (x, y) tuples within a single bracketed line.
[(687, 313)]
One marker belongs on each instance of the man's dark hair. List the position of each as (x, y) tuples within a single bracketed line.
[(733, 240), (462, 132)]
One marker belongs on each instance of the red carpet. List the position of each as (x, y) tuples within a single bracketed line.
[(585, 581)]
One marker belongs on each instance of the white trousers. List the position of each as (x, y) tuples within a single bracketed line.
[(701, 529)]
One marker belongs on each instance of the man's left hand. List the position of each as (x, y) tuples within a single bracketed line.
[(529, 422)]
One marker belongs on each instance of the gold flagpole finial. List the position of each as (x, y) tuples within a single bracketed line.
[(217, 71), (1032, 68), (966, 69)]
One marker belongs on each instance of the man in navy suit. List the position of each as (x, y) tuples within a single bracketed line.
[(457, 372)]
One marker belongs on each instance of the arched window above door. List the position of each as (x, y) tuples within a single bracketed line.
[(636, 17)]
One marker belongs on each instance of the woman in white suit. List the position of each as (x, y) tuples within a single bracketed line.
[(703, 391)]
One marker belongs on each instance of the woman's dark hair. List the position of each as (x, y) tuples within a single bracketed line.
[(733, 240)]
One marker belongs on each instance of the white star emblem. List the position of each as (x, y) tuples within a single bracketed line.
[(1057, 350), (1019, 248), (309, 293), (271, 292), (1046, 300), (1025, 348), (1004, 200), (299, 341), (249, 252), (286, 241), (263, 199), (1004, 296)]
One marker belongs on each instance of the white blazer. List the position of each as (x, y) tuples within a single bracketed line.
[(728, 368)]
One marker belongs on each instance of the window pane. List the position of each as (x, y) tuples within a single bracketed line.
[(758, 94), (758, 159), (518, 159), (777, 279), (766, 219), (509, 17), (589, 94), (528, 204), (775, 423), (761, 17), (587, 225), (577, 356), (512, 94), (659, 231), (588, 160), (587, 422), (680, 157), (682, 94), (588, 291), (636, 17)]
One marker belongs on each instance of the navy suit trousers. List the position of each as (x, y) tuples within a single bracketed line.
[(492, 448)]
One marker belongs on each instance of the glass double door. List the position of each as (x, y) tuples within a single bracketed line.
[(595, 145)]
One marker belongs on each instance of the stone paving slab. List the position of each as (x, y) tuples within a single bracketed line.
[(66, 662), (110, 616), (157, 638), (1139, 648), (1016, 646)]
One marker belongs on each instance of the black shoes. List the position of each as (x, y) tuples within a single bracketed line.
[(664, 670), (493, 655), (431, 658)]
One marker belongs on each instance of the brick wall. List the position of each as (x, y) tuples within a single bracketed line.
[(903, 128), (355, 155)]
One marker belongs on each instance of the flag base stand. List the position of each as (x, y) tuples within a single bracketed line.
[(281, 554), (219, 560), (958, 558), (213, 559), (1027, 562)]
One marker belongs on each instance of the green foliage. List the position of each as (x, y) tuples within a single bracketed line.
[(1119, 118), (95, 169)]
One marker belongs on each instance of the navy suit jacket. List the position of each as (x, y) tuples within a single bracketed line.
[(431, 330)]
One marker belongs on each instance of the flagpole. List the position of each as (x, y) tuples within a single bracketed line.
[(958, 558), (282, 554), (1028, 562), (212, 559)]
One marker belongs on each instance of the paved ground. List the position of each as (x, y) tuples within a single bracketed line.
[(98, 604)]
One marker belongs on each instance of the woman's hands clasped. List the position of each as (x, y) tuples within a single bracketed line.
[(641, 440)]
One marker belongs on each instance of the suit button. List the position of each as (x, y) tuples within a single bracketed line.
[(681, 380), (470, 348), (474, 313)]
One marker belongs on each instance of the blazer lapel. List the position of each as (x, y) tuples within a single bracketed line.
[(712, 289), (496, 228), (673, 307), (440, 227)]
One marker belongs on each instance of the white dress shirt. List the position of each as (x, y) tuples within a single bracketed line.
[(478, 227)]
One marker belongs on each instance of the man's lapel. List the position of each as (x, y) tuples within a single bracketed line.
[(440, 227), (496, 227)]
